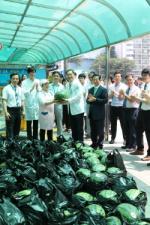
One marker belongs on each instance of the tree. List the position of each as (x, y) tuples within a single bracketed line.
[(124, 65)]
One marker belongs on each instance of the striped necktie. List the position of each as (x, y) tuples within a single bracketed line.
[(16, 96)]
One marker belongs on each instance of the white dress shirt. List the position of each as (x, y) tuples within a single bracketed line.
[(146, 106), (117, 88), (13, 97), (134, 90)]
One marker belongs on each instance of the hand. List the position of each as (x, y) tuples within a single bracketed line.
[(23, 114), (8, 116), (121, 92), (92, 99), (64, 101), (133, 97), (145, 94)]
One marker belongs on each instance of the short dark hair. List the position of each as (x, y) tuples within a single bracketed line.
[(13, 74), (56, 72), (145, 71), (71, 70), (96, 75), (82, 75), (91, 73), (117, 72), (31, 69), (129, 75)]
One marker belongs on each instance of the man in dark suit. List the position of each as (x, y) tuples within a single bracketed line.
[(97, 98)]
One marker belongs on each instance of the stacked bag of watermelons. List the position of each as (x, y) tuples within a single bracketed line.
[(52, 183)]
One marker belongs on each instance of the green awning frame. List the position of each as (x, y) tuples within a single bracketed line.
[(47, 31)]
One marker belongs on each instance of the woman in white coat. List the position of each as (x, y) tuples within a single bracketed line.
[(46, 111)]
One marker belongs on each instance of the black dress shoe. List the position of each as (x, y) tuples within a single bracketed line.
[(148, 164), (124, 147), (93, 146), (112, 142)]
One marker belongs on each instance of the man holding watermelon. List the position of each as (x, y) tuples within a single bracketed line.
[(76, 105)]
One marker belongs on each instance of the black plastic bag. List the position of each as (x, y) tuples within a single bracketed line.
[(29, 173), (122, 184), (34, 209), (64, 216), (45, 188), (137, 198), (114, 158), (109, 199), (81, 199), (97, 181), (10, 214), (95, 214), (68, 184)]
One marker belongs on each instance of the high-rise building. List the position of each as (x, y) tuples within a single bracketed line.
[(137, 50)]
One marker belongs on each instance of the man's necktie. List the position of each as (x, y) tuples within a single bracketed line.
[(145, 86), (16, 96), (125, 101)]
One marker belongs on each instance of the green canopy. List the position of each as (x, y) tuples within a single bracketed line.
[(46, 31)]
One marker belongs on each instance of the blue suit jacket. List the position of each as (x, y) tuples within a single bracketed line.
[(97, 108)]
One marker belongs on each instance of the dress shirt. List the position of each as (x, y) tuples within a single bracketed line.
[(13, 97), (134, 90), (54, 88), (146, 106), (117, 88)]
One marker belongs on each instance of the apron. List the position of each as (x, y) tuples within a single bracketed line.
[(46, 112)]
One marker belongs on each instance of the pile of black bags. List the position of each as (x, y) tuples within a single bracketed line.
[(60, 183)]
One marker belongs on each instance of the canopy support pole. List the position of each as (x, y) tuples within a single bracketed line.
[(65, 67), (107, 83)]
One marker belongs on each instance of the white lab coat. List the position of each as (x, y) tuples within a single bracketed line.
[(76, 98), (46, 112), (31, 99)]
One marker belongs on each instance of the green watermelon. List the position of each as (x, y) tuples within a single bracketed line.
[(113, 220), (61, 95)]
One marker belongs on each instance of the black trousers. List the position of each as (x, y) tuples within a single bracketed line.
[(97, 132), (144, 119), (76, 122), (66, 117), (130, 115), (116, 113), (32, 129), (13, 124), (49, 135), (140, 131)]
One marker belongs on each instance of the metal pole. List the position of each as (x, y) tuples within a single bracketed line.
[(65, 67), (107, 80)]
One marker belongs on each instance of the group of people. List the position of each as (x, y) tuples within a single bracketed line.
[(85, 107), (130, 103)]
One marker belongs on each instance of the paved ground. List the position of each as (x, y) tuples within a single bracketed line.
[(134, 165)]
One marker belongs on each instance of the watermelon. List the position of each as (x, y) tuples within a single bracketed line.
[(113, 220), (61, 95), (128, 212)]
